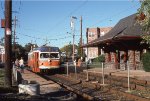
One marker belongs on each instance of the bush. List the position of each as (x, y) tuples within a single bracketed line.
[(100, 58), (146, 61)]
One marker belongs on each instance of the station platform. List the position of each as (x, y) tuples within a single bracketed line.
[(138, 74), (45, 86)]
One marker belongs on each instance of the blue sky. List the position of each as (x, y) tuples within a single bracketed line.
[(39, 21)]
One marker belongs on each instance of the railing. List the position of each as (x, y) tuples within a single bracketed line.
[(122, 66)]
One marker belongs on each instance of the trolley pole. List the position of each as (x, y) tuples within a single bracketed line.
[(8, 45)]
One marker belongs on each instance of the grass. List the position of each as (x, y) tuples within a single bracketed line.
[(4, 89)]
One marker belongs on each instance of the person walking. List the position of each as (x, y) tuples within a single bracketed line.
[(21, 63), (17, 63)]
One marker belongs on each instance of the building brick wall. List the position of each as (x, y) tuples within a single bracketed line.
[(92, 34)]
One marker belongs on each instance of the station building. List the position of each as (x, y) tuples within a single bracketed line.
[(121, 44), (92, 34)]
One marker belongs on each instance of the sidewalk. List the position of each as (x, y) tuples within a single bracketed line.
[(45, 86)]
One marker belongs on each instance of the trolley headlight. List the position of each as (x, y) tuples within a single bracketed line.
[(49, 60)]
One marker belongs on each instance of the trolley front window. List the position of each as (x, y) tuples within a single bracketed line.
[(49, 55), (54, 55), (44, 55)]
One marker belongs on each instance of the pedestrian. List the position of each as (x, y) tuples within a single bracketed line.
[(79, 62), (21, 63), (17, 63)]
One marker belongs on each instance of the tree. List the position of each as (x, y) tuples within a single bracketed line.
[(29, 45), (143, 17), (68, 49), (27, 49), (19, 52), (2, 41)]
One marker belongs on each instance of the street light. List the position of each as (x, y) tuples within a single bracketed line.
[(73, 33)]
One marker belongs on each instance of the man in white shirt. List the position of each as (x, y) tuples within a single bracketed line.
[(21, 63)]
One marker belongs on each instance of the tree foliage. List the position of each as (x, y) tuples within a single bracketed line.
[(18, 52), (68, 49), (146, 61), (28, 46), (100, 58), (143, 17), (21, 51), (2, 41)]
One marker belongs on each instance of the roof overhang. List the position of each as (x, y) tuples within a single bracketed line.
[(111, 40)]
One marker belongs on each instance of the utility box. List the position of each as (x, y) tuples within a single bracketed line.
[(2, 23)]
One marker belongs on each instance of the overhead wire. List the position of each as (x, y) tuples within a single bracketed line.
[(70, 14), (56, 39), (45, 38), (112, 16)]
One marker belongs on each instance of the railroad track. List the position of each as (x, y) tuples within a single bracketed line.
[(93, 90)]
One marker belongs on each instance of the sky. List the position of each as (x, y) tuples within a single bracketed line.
[(48, 21)]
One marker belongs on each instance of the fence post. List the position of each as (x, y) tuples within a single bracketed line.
[(103, 73), (75, 70), (87, 75), (128, 76), (67, 69)]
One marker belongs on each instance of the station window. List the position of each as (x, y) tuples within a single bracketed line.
[(91, 34)]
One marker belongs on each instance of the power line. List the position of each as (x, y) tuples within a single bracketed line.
[(30, 29), (115, 15), (55, 39), (75, 11), (61, 21)]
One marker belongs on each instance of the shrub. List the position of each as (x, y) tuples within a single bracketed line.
[(100, 58), (146, 61)]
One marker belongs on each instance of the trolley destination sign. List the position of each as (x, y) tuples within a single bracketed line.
[(47, 49)]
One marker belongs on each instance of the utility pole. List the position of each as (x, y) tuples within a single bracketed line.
[(14, 41), (73, 46), (73, 34), (8, 44), (81, 36)]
